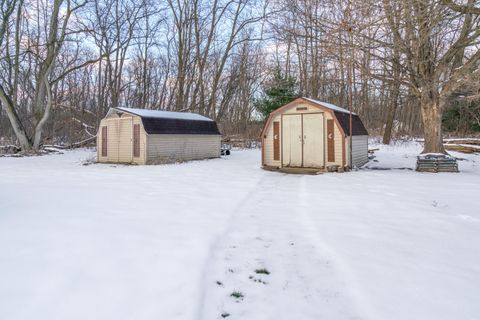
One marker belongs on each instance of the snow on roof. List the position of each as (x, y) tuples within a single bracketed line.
[(160, 114), (328, 105)]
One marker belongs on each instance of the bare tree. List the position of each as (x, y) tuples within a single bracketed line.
[(45, 53), (65, 62), (439, 48)]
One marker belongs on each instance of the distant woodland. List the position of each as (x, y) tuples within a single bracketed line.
[(411, 67)]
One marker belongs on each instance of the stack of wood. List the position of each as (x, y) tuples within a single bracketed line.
[(466, 145), (432, 162)]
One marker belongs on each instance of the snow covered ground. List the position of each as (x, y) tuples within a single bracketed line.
[(176, 241)]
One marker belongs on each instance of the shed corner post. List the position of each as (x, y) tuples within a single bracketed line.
[(349, 151), (97, 145), (145, 146), (262, 140)]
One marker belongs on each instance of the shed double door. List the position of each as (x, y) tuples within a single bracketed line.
[(120, 138), (303, 140)]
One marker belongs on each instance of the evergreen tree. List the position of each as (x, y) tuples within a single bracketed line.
[(278, 91)]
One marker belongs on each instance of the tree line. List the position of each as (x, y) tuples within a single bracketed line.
[(410, 65)]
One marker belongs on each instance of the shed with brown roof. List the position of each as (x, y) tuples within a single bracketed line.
[(141, 136), (307, 133)]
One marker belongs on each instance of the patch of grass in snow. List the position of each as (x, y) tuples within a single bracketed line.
[(262, 271), (256, 280), (225, 314), (237, 295)]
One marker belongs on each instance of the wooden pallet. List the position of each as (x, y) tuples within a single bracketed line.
[(436, 163)]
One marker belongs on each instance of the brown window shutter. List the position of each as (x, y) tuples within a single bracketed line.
[(136, 140), (276, 140), (104, 141), (330, 140)]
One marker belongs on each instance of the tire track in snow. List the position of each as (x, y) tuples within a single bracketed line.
[(272, 229), (344, 275), (220, 239)]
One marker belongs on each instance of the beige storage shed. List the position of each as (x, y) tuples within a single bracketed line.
[(307, 133), (142, 136)]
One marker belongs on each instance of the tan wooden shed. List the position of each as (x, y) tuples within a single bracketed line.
[(307, 133), (140, 136)]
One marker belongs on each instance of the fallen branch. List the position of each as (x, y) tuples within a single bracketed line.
[(72, 145)]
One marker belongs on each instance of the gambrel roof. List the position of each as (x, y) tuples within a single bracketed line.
[(329, 105), (341, 115), (162, 114), (169, 122)]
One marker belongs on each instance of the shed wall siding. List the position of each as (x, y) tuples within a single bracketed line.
[(359, 150), (268, 141), (338, 144), (182, 147), (103, 123), (268, 144)]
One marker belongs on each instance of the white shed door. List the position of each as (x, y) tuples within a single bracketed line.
[(292, 140), (313, 140), (112, 139), (125, 140), (119, 141)]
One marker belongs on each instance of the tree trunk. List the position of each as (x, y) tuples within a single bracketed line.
[(387, 134), (432, 125), (17, 126), (37, 141)]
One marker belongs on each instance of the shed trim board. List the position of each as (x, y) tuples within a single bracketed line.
[(330, 140), (136, 140), (276, 140), (327, 151), (104, 141)]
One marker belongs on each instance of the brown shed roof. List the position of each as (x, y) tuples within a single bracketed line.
[(343, 117), (357, 125)]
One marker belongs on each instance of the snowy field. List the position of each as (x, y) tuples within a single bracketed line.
[(176, 241)]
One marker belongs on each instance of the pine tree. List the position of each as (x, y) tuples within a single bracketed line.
[(278, 91)]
